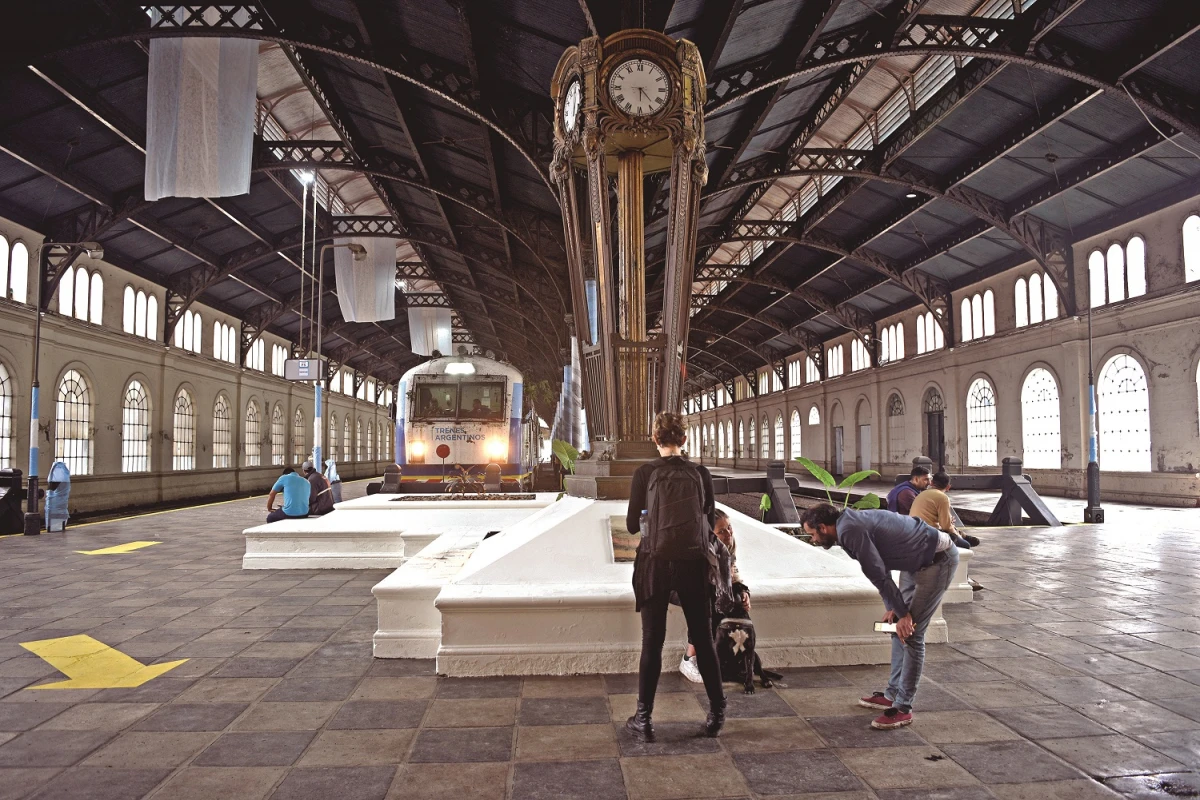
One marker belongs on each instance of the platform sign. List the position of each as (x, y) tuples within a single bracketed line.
[(304, 369)]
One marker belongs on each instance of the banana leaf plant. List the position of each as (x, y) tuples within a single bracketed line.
[(567, 455), (764, 505), (870, 501)]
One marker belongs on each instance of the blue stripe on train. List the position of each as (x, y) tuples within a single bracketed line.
[(514, 424)]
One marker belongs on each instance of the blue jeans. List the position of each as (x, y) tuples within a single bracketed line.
[(922, 591), (277, 515)]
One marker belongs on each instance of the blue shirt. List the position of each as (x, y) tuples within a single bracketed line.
[(881, 541), (295, 494)]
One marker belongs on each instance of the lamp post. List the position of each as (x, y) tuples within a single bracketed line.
[(360, 254), (33, 519), (1092, 512)]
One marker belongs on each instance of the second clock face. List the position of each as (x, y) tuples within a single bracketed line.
[(639, 87), (571, 104)]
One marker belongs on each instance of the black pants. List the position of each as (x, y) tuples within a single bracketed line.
[(689, 580)]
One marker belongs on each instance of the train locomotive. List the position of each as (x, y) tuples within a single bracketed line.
[(464, 410)]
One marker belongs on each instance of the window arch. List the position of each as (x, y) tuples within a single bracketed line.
[(891, 343), (277, 435), (814, 416), (741, 440), (222, 434), (128, 309), (358, 439), (860, 357), (779, 443), (703, 440), (933, 401), (6, 422), (731, 453), (370, 440), (189, 331), (1191, 249), (1123, 404), (256, 356), (1117, 273), (331, 445), (1036, 300), (73, 423), (135, 428), (81, 295), (224, 343), (1041, 439), (1021, 302), (14, 272), (346, 438), (835, 363), (751, 425), (381, 451), (981, 424), (895, 427), (250, 440), (299, 453), (184, 428), (797, 440), (978, 316), (930, 336), (766, 437), (720, 441)]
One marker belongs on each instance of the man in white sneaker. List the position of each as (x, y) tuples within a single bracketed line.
[(724, 532)]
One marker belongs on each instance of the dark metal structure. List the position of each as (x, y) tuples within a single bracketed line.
[(1058, 119)]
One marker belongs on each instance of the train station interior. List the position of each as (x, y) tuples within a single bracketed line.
[(438, 265)]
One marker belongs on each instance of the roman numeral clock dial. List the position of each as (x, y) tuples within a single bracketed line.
[(639, 87)]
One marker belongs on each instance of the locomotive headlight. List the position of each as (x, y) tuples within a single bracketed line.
[(417, 453), (497, 449)]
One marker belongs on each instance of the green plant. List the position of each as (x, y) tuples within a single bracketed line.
[(848, 483), (764, 505), (462, 481), (567, 456)]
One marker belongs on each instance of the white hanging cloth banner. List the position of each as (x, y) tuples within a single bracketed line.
[(200, 110), (429, 330), (366, 289)]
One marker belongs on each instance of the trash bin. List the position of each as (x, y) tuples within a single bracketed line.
[(58, 492), (335, 482), (12, 514)]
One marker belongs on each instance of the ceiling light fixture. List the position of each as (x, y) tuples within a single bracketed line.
[(911, 195)]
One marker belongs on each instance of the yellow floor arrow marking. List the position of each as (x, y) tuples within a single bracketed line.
[(128, 547), (91, 664)]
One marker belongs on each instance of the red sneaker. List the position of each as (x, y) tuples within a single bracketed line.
[(892, 718), (876, 700)]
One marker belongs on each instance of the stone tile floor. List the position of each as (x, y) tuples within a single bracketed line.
[(1075, 675)]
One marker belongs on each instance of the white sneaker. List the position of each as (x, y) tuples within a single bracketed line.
[(689, 669)]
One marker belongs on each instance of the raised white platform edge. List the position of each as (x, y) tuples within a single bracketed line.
[(546, 597)]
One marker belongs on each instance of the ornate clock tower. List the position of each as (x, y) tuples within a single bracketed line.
[(627, 106)]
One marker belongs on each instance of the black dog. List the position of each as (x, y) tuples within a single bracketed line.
[(735, 646)]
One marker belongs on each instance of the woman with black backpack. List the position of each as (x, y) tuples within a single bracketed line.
[(674, 499)]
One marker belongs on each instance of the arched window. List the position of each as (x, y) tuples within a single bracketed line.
[(346, 443), (729, 439), (135, 428), (250, 441), (1123, 403), (358, 439), (256, 355), (703, 440), (152, 317), (96, 300), (1096, 279), (895, 428), (222, 434), (814, 416), (184, 428), (1114, 261), (930, 336), (741, 440), (299, 452), (795, 434), (751, 425), (1041, 438), (1191, 248), (1021, 302), (82, 288), (370, 440), (331, 450), (811, 373), (73, 423), (981, 424), (978, 316), (224, 343), (1135, 266), (66, 292), (834, 361), (720, 441), (965, 318), (779, 452), (128, 309), (860, 358), (277, 435), (1035, 298), (381, 452), (18, 272), (1119, 273), (5, 270), (140, 312), (766, 437), (891, 343), (6, 429)]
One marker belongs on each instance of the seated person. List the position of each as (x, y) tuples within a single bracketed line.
[(901, 497), (933, 506), (320, 495), (724, 532), (295, 497)]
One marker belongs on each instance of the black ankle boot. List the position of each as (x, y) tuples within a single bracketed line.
[(716, 720), (640, 724)]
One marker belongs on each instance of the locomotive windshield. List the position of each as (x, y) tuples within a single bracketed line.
[(482, 401)]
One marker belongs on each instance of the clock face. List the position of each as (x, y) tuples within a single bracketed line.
[(571, 103), (639, 87)]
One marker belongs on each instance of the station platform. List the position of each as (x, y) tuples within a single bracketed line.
[(1074, 674)]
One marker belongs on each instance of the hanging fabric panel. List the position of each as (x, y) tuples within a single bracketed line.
[(570, 425), (200, 110), (366, 289), (429, 330)]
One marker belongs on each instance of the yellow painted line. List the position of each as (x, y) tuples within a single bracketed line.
[(91, 664), (128, 547)]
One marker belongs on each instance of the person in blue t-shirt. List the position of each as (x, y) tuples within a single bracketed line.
[(295, 497)]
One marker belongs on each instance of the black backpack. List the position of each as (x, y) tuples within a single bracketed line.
[(677, 528)]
